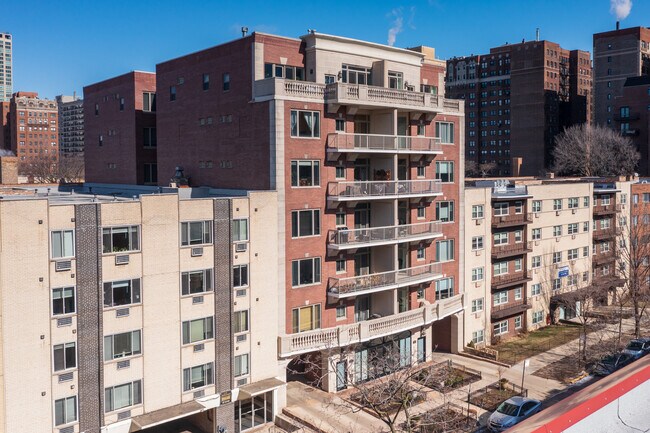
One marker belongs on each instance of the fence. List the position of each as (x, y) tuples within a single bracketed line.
[(491, 396)]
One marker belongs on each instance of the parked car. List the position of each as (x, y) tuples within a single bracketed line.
[(611, 363), (638, 348), (511, 412)]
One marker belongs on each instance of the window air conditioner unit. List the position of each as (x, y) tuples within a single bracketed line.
[(199, 347), (65, 377), (122, 312), (197, 251), (241, 338), (197, 300), (241, 247), (64, 321), (479, 222), (122, 259), (199, 394), (123, 364), (63, 265)]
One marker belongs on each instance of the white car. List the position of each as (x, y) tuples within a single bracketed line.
[(512, 411)]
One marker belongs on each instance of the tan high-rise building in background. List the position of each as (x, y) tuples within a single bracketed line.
[(6, 67), (71, 125)]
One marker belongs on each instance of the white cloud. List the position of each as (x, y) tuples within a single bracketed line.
[(620, 8)]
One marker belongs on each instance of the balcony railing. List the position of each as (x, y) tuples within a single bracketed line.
[(343, 335), (373, 190), (366, 237), (501, 281), (509, 309), (374, 143), (600, 235), (600, 259), (607, 209), (362, 284), (502, 251), (355, 94), (512, 220)]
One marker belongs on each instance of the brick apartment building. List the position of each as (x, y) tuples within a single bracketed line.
[(71, 125), (532, 243), (618, 55), (518, 97), (30, 128), (137, 307), (366, 155), (120, 130)]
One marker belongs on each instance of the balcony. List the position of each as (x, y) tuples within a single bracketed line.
[(340, 288), (383, 144), (509, 309), (507, 280), (601, 259), (511, 220), (374, 236), (607, 209), (517, 249), (601, 235), (344, 335), (382, 190)]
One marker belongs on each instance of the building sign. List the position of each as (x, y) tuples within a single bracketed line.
[(563, 272), (226, 397)]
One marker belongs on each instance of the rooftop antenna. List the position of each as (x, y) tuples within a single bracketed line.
[(311, 31), (244, 32)]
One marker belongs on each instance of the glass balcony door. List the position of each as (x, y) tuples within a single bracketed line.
[(362, 308)]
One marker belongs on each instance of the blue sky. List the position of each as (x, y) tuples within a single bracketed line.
[(62, 45)]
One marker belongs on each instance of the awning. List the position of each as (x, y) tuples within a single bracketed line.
[(162, 416), (260, 387), (118, 427)]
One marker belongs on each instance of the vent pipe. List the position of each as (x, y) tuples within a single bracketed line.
[(537, 34)]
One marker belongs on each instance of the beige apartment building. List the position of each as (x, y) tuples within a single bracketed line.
[(124, 308), (528, 241)]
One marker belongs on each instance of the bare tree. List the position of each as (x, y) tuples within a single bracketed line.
[(634, 261), (471, 168), (585, 150), (594, 151), (54, 170)]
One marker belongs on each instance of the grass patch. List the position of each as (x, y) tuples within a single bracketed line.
[(536, 342)]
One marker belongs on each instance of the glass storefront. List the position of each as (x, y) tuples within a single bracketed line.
[(253, 412)]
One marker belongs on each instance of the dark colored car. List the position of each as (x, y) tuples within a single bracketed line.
[(611, 363), (638, 348)]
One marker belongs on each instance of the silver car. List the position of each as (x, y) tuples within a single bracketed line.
[(511, 412)]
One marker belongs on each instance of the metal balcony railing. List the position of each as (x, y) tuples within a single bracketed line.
[(512, 219), (368, 190), (509, 309), (345, 239), (500, 251), (513, 279), (345, 142)]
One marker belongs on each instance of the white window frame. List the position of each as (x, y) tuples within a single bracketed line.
[(316, 272), (186, 233), (66, 237)]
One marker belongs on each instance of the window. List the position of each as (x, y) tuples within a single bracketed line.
[(557, 204), (101, 140), (305, 223), (572, 280), (557, 231), (120, 396), (536, 262), (477, 243), (572, 254), (421, 212), (445, 131), (340, 125), (330, 79), (477, 274), (63, 301), (573, 202), (121, 239), (421, 172), (196, 233), (193, 282), (604, 247), (536, 234), (445, 211), (477, 211), (121, 293), (519, 207), (518, 322), (305, 318), (445, 171), (585, 226), (444, 288), (556, 284), (149, 137), (445, 250), (607, 222), (536, 289), (500, 328), (240, 276), (149, 100), (305, 271), (305, 173), (288, 72), (65, 411), (395, 80), (605, 199), (538, 317), (172, 93), (477, 305), (500, 268), (421, 254), (518, 265), (239, 230), (241, 365), (206, 81), (198, 330), (121, 104), (240, 322), (557, 257), (198, 377), (96, 109), (585, 201), (356, 75), (62, 243), (340, 219), (122, 345), (572, 228), (305, 124), (478, 336), (501, 209), (226, 81), (65, 356), (340, 172), (150, 173), (341, 311)]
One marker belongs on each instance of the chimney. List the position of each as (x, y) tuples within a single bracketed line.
[(537, 34), (618, 25)]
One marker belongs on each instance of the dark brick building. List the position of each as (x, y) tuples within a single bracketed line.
[(518, 97), (120, 136)]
